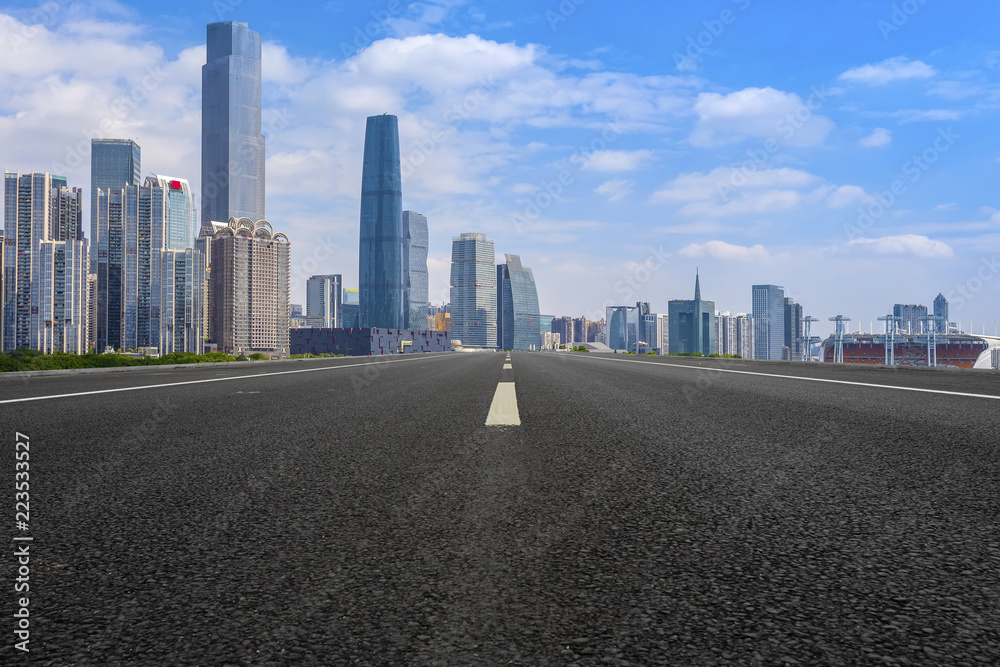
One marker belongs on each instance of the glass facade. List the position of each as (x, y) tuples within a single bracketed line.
[(181, 214), (382, 280), (232, 146), (941, 313), (473, 291), (323, 299), (518, 319), (415, 233), (769, 321), (114, 163)]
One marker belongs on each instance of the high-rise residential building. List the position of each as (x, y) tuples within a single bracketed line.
[(182, 301), (769, 321), (565, 328), (692, 324), (66, 223), (232, 146), (518, 319), (324, 300), (580, 326), (92, 309), (45, 265), (912, 318), (473, 291), (793, 329), (114, 163), (415, 258), (181, 213), (649, 332), (743, 332), (941, 313), (382, 267), (663, 328), (249, 288), (725, 333)]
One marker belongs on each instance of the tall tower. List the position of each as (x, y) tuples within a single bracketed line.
[(415, 233), (518, 319), (941, 313), (793, 329), (382, 265), (769, 321), (181, 214), (474, 291), (232, 146), (114, 163)]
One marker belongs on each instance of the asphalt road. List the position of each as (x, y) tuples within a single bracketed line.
[(646, 511)]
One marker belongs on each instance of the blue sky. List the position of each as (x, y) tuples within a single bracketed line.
[(844, 150)]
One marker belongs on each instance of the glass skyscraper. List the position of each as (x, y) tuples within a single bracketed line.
[(181, 214), (415, 233), (114, 163), (473, 291), (518, 319), (941, 313), (232, 146), (323, 299), (768, 321), (382, 281), (692, 324)]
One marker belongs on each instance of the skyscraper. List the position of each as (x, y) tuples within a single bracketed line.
[(941, 312), (473, 291), (181, 214), (415, 233), (182, 301), (793, 329), (382, 264), (692, 324), (518, 319), (249, 288), (45, 275), (114, 163), (912, 318), (769, 321), (323, 300), (232, 146)]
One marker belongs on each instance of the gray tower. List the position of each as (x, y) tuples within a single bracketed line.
[(415, 233), (114, 163), (768, 321), (382, 281), (232, 147)]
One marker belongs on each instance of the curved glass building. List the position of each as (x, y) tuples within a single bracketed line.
[(382, 267), (518, 319)]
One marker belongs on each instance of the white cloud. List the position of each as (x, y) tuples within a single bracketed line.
[(847, 195), (879, 138), (727, 252), (759, 113), (612, 160), (727, 191), (893, 69), (616, 189), (924, 115), (904, 244)]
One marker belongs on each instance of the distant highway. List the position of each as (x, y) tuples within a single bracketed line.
[(617, 510)]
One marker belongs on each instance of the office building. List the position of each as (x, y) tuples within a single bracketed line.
[(628, 328), (473, 291), (649, 331), (45, 265), (941, 313), (518, 319), (793, 330), (912, 318), (415, 257), (92, 308), (181, 301), (249, 288), (323, 301), (114, 163), (769, 321), (692, 324), (181, 214), (232, 146), (382, 279)]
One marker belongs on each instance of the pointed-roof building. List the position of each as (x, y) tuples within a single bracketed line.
[(692, 324)]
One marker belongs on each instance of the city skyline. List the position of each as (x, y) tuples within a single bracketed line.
[(632, 190)]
